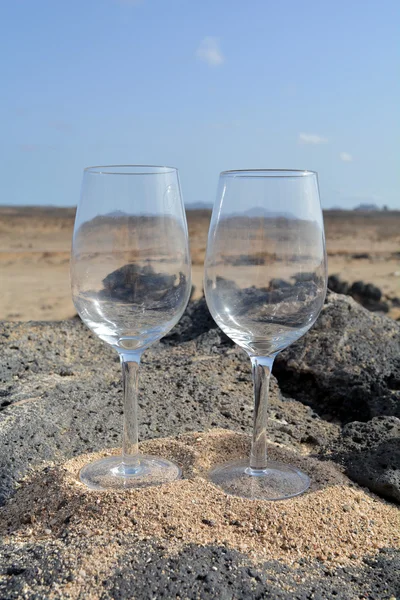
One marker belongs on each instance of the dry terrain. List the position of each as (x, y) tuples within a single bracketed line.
[(35, 245), (334, 408)]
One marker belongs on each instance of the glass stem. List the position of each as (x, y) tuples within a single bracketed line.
[(262, 367), (130, 376)]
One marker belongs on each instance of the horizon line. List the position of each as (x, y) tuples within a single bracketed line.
[(206, 206)]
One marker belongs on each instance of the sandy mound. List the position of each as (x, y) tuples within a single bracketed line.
[(335, 522)]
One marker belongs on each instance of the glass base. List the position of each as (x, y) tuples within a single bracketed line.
[(277, 482), (112, 474)]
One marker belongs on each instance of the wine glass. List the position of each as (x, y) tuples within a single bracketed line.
[(265, 284), (131, 281)]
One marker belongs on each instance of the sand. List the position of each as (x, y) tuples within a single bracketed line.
[(35, 246), (336, 522)]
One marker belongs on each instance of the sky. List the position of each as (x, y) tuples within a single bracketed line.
[(203, 85)]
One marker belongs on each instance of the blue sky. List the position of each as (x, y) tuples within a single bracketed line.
[(204, 85)]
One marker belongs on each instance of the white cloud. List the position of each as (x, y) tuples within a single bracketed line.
[(312, 138), (210, 52), (346, 157)]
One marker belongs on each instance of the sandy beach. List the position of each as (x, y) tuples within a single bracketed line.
[(35, 247)]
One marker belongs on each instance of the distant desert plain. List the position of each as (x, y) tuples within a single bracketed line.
[(35, 247)]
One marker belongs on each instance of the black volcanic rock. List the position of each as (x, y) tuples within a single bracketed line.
[(134, 284), (366, 294), (196, 321), (370, 453), (347, 365), (61, 392), (372, 292), (146, 570), (61, 387), (61, 395), (337, 285), (218, 572)]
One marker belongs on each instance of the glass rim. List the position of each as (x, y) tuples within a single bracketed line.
[(268, 173), (130, 170)]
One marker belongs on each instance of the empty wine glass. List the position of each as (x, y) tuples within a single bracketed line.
[(131, 281), (265, 284)]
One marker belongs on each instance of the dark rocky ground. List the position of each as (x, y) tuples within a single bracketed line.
[(366, 294), (336, 396), (348, 365), (210, 572), (207, 572)]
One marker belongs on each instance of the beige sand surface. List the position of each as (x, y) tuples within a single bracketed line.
[(335, 522), (35, 245)]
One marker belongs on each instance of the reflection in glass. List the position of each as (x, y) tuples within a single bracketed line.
[(265, 284), (131, 281)]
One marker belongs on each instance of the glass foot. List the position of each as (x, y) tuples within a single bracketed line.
[(278, 482), (111, 474)]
